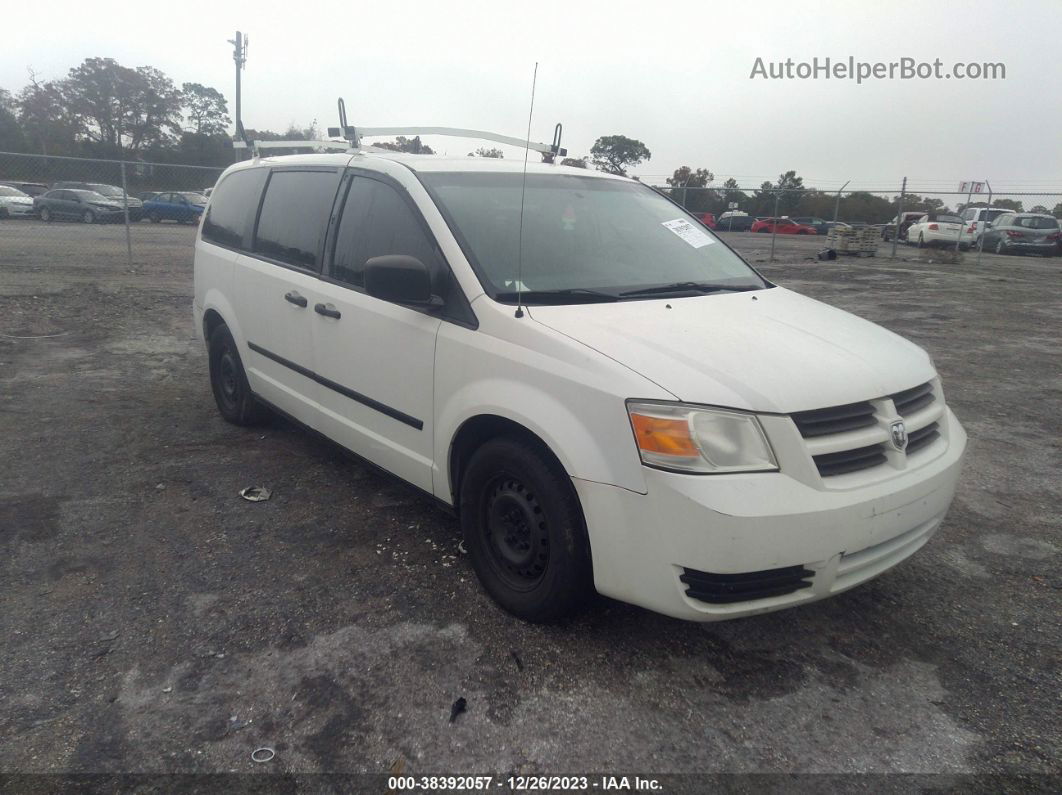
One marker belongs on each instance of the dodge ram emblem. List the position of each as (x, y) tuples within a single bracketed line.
[(899, 435)]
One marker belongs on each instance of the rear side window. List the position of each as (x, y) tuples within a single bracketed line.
[(376, 221), (294, 215), (235, 201)]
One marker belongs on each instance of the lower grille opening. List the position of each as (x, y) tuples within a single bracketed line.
[(923, 437), (850, 460), (705, 586)]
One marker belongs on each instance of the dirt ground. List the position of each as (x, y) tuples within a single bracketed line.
[(153, 621)]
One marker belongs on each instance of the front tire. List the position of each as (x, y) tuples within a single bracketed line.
[(524, 530), (88, 217), (1000, 247), (155, 218), (228, 381)]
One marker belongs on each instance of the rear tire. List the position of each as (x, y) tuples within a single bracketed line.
[(1000, 247), (88, 217), (921, 240), (155, 218), (46, 214), (524, 530), (232, 393)]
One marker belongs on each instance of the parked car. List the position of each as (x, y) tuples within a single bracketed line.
[(734, 222), (1022, 233), (699, 441), (708, 219), (905, 220), (820, 225), (84, 205), (182, 207), (136, 206), (14, 203), (29, 188), (938, 229), (976, 218), (783, 226)]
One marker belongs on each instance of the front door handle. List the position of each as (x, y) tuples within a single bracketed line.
[(294, 298), (327, 310)]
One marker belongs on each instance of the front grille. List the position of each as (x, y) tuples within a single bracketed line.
[(911, 400), (850, 460), (837, 419), (923, 437), (726, 588)]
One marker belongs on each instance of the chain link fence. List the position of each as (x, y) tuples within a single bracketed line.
[(64, 207), (736, 209), (143, 211)]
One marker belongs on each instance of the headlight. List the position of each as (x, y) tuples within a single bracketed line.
[(697, 439)]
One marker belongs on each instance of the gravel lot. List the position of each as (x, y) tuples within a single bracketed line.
[(155, 622)]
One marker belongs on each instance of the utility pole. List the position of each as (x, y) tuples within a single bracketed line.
[(899, 212), (239, 55)]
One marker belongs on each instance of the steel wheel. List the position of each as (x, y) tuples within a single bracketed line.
[(516, 533)]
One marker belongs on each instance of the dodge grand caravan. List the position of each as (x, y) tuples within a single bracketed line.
[(603, 391)]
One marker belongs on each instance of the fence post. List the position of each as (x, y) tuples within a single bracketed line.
[(837, 206), (774, 222), (981, 243), (899, 212), (969, 198), (125, 204)]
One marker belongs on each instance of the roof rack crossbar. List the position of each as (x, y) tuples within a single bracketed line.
[(462, 133)]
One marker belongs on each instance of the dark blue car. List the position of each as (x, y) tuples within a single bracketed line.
[(184, 207)]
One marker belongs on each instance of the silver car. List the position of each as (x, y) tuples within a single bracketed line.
[(1022, 233)]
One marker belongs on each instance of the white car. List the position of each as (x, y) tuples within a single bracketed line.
[(605, 393), (975, 219), (939, 229), (14, 203)]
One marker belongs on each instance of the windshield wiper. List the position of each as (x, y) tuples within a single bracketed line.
[(690, 287), (574, 295)]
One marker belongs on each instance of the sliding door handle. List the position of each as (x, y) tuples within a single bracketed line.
[(294, 298), (327, 310)]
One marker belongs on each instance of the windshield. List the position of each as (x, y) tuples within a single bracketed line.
[(6, 191), (107, 190), (580, 234), (195, 198)]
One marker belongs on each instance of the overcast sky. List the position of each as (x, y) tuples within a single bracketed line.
[(675, 75)]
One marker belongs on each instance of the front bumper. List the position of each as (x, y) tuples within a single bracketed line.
[(18, 210), (642, 544)]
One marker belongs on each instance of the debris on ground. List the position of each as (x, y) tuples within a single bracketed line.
[(256, 493), (264, 754), (459, 706)]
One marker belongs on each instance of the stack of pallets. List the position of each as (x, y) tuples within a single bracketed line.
[(860, 240)]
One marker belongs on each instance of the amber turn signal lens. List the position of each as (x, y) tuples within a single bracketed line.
[(664, 435)]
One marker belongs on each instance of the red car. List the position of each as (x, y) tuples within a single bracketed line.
[(708, 219), (783, 226)]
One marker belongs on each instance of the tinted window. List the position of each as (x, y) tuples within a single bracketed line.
[(1035, 222), (294, 214), (232, 211), (376, 221)]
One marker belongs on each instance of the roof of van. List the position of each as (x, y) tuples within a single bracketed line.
[(429, 163)]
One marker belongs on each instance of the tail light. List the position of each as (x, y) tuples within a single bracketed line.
[(972, 229), (1015, 234), (1055, 236), (934, 227)]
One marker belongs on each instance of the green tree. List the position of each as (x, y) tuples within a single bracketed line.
[(117, 108), (698, 199), (792, 188), (1008, 204), (205, 109), (614, 154), (485, 152), (1057, 212), (575, 162), (732, 193), (12, 138), (411, 145), (1040, 209), (45, 119)]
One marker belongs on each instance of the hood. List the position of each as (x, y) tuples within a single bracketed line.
[(769, 350), (16, 200)]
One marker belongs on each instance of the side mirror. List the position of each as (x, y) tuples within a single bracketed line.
[(400, 279)]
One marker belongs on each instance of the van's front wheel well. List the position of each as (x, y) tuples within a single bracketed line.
[(211, 320), (476, 432)]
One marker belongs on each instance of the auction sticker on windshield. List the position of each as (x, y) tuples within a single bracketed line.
[(688, 232)]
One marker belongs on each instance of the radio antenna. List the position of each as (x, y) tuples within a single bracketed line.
[(523, 190)]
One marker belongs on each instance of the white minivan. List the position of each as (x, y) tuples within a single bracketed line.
[(604, 392)]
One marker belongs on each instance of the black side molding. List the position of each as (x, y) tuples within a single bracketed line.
[(376, 405)]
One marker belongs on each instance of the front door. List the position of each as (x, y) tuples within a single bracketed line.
[(374, 359)]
